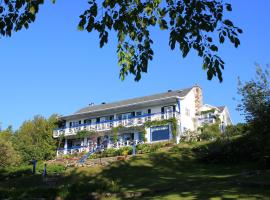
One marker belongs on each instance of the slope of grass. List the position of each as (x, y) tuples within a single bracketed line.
[(166, 174)]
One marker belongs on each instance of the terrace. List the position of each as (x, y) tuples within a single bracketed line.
[(109, 124)]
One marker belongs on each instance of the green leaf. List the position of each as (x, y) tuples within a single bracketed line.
[(228, 22), (239, 30), (221, 39), (163, 24), (229, 7), (214, 48), (32, 10)]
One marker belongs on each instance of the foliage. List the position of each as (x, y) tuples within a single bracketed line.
[(192, 25), (210, 131), (255, 105), (138, 175), (251, 141), (6, 134), (111, 152), (189, 23), (127, 150), (150, 148), (26, 170), (238, 129), (115, 132), (34, 139), (232, 150), (255, 101), (143, 134), (83, 134), (9, 156), (190, 136)]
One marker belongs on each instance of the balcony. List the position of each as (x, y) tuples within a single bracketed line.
[(108, 125), (207, 119)]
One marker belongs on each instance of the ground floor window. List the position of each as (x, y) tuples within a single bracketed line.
[(160, 133)]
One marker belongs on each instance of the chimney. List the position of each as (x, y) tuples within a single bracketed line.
[(91, 104)]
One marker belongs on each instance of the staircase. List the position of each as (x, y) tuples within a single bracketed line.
[(84, 158)]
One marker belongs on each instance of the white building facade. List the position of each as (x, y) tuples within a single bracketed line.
[(159, 117)]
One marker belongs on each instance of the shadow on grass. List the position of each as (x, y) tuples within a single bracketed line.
[(161, 175), (164, 175)]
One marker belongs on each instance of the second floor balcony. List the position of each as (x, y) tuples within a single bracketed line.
[(108, 125)]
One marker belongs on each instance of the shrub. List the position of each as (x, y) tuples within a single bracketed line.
[(110, 152), (245, 148), (150, 148), (190, 136), (238, 129), (125, 151), (143, 148), (210, 132), (51, 168)]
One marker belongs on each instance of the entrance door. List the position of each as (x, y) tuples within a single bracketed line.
[(98, 141)]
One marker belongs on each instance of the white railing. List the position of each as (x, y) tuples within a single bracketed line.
[(107, 125), (72, 150), (79, 149)]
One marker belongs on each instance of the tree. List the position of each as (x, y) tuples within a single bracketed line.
[(34, 139), (255, 105), (255, 101), (6, 134), (192, 25), (9, 156)]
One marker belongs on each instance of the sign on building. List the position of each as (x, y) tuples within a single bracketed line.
[(160, 133)]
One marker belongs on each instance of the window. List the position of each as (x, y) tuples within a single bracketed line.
[(87, 121), (138, 113), (160, 133), (102, 119), (126, 115)]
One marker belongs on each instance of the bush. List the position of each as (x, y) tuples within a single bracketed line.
[(150, 148), (234, 130), (210, 132), (51, 168), (111, 152), (237, 149), (190, 136), (26, 170), (127, 150)]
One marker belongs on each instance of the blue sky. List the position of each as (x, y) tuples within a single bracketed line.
[(54, 68)]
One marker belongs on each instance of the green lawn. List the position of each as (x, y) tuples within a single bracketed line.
[(170, 174)]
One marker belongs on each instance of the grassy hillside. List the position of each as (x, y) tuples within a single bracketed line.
[(172, 173)]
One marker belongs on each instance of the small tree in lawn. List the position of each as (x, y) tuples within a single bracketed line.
[(255, 105)]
